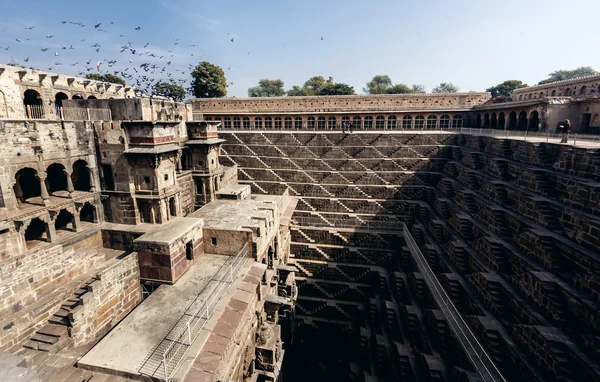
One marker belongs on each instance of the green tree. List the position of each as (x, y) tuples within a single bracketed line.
[(399, 89), (174, 91), (560, 75), (379, 84), (208, 81), (416, 88), (105, 78), (267, 88), (297, 91), (314, 84), (445, 87), (336, 89), (506, 88)]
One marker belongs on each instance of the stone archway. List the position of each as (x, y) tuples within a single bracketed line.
[(512, 121), (35, 232), (522, 124), (494, 121), (56, 178), (534, 121), (81, 176), (64, 221), (77, 96), (27, 184), (501, 120), (34, 104), (88, 213), (59, 98)]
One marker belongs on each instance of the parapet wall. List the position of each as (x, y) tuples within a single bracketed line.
[(340, 103)]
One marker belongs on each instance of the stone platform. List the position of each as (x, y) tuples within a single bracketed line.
[(135, 347)]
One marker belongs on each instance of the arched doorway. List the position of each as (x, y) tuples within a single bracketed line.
[(568, 92), (356, 122), (522, 125), (35, 232), (553, 94), (501, 120), (406, 122), (268, 123), (87, 213), (391, 122), (331, 122), (34, 105), (311, 123), (64, 221), (226, 122), (77, 96), (431, 122), (56, 178), (419, 122), (258, 123), (246, 123), (321, 123), (457, 121), (59, 98), (278, 123), (534, 121), (478, 121), (27, 185), (81, 176), (494, 121), (512, 121), (380, 122), (92, 97), (298, 123), (583, 90), (486, 120), (542, 95), (287, 123), (368, 123)]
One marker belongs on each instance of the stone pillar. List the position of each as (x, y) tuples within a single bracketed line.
[(18, 192), (50, 228), (179, 167), (76, 221), (168, 209), (92, 179), (70, 187), (44, 191)]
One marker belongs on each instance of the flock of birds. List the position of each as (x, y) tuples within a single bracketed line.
[(139, 65)]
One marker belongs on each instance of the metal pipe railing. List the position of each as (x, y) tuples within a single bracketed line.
[(183, 340), (482, 362)]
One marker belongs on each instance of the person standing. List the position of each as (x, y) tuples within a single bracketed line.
[(566, 131)]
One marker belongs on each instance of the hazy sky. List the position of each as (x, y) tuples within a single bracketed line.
[(472, 43)]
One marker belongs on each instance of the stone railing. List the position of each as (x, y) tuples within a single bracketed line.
[(53, 113)]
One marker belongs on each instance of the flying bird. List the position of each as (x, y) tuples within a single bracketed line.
[(63, 22), (146, 44), (19, 40), (138, 28), (49, 35), (30, 28), (232, 39), (26, 59), (322, 38), (44, 49), (97, 25), (56, 53), (6, 48)]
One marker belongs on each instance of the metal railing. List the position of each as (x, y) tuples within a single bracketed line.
[(363, 224), (482, 362), (183, 339)]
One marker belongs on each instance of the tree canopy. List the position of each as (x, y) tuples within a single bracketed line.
[(208, 81), (318, 86), (418, 88), (267, 88), (174, 91), (506, 88), (379, 84), (399, 89), (105, 78), (445, 87), (561, 75)]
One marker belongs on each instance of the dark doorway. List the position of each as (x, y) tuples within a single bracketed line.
[(57, 178), (486, 121), (522, 121), (28, 183), (189, 250), (107, 176), (92, 97), (81, 176), (58, 99), (478, 121), (77, 96), (494, 121), (31, 97), (585, 123), (512, 121), (172, 207), (501, 121), (87, 213), (64, 221), (534, 121), (35, 231)]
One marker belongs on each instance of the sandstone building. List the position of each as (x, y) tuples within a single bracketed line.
[(446, 237)]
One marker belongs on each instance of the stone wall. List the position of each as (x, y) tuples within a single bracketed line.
[(583, 86), (33, 285), (114, 294), (339, 103)]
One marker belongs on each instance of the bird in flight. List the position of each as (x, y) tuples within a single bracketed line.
[(56, 53), (19, 40), (97, 25), (26, 59), (44, 49), (146, 44), (138, 28), (8, 47), (233, 38), (30, 28), (49, 35), (322, 38)]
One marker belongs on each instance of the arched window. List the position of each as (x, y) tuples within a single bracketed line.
[(512, 121), (596, 120), (35, 232), (287, 124), (486, 120), (268, 123), (88, 213), (530, 96), (278, 123), (431, 122), (331, 122), (218, 118), (56, 178), (553, 94), (582, 90), (501, 120), (258, 125), (227, 123), (419, 122), (522, 125), (380, 122), (357, 123), (237, 122), (77, 96), (246, 123), (567, 92), (321, 123), (311, 123), (520, 97), (534, 121), (494, 121), (542, 95), (392, 122), (457, 121), (92, 97), (407, 122), (444, 121), (345, 121), (208, 118), (368, 122), (27, 184), (298, 123), (59, 98), (64, 221), (34, 105)]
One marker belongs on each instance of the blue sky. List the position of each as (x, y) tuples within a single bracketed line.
[(472, 43)]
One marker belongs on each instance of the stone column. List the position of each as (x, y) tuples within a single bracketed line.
[(50, 228), (44, 191), (76, 221), (70, 187), (179, 167), (92, 179), (18, 191)]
